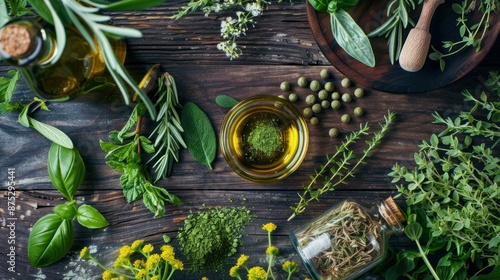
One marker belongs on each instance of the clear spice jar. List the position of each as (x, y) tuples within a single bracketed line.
[(31, 45), (347, 240)]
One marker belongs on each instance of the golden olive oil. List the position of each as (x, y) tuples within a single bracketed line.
[(273, 157)]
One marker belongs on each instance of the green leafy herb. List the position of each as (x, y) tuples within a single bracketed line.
[(392, 29), (90, 217), (50, 240), (210, 237), (199, 134), (225, 101), (124, 152), (346, 32), (169, 130), (340, 164), (453, 193), (472, 33), (66, 170)]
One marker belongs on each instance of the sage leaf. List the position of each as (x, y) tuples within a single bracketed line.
[(4, 13), (66, 211), (50, 240), (52, 133), (23, 118), (66, 170), (199, 134), (351, 37), (225, 101), (90, 217)]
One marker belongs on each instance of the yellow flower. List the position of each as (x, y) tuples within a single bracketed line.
[(152, 261), (148, 248), (234, 271), (204, 278), (107, 275), (140, 274), (167, 253), (136, 244), (272, 250), (126, 251), (269, 227), (84, 253), (290, 266), (257, 273), (119, 262), (242, 260), (139, 264), (177, 264), (156, 277)]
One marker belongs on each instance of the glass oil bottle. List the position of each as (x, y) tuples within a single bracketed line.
[(31, 45), (347, 240)]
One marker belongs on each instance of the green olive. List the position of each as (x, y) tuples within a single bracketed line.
[(323, 94), (335, 104), (324, 73), (285, 86), (335, 95), (311, 99), (315, 85), (333, 132), (346, 82), (293, 97), (358, 111), (359, 92), (329, 86), (316, 108), (345, 118), (325, 104), (314, 121), (308, 113), (302, 82), (346, 97)]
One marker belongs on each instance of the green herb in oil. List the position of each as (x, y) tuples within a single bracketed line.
[(263, 140)]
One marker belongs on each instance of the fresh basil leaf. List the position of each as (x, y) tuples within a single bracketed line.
[(319, 5), (351, 38), (493, 275), (50, 240), (413, 231), (225, 101), (66, 169), (405, 263), (52, 133), (199, 134), (90, 217), (66, 211)]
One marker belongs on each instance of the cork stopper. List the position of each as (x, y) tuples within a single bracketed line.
[(392, 213), (16, 40)]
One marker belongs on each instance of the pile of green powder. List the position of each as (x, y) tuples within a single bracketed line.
[(210, 237)]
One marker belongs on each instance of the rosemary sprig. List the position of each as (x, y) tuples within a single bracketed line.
[(398, 20), (339, 164), (168, 132)]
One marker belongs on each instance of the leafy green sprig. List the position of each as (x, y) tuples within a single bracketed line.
[(398, 19), (124, 152), (340, 166), (472, 34), (52, 235), (453, 196)]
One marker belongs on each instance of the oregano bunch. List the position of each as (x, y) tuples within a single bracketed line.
[(453, 195)]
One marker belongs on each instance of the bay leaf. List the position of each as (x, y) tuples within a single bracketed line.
[(199, 134)]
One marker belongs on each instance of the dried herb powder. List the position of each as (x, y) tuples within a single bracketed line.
[(210, 237), (262, 139)]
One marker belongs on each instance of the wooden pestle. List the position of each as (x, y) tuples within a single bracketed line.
[(415, 49)]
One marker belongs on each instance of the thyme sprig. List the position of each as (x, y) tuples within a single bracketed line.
[(471, 33), (398, 19), (340, 164)]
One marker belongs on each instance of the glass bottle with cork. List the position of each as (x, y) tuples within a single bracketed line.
[(347, 240), (31, 45)]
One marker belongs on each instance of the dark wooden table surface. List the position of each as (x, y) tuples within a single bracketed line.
[(280, 48)]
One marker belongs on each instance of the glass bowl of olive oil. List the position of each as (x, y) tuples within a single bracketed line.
[(264, 138)]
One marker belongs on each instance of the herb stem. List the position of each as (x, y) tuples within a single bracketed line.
[(426, 260)]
